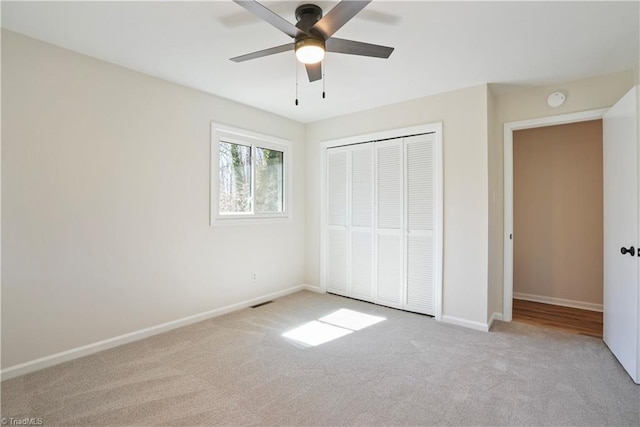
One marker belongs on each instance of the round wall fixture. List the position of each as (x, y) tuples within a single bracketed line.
[(556, 99)]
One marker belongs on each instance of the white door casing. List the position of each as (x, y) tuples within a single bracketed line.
[(509, 128)]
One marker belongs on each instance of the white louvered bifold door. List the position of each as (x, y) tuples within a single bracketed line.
[(361, 222), (419, 178), (380, 239), (389, 232), (337, 217)]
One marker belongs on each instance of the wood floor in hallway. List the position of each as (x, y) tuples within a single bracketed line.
[(583, 322)]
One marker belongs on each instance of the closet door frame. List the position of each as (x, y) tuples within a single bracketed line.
[(435, 128)]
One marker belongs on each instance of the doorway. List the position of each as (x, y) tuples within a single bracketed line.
[(509, 130), (558, 224)]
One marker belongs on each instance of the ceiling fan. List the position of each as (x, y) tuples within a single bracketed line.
[(313, 34)]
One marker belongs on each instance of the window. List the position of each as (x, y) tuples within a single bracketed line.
[(248, 176)]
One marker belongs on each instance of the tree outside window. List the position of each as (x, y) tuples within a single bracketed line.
[(269, 180), (251, 179)]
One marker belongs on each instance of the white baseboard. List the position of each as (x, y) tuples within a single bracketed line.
[(495, 316), (478, 326), (85, 350), (313, 288), (558, 301)]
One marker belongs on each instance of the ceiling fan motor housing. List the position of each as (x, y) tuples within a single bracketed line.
[(307, 15)]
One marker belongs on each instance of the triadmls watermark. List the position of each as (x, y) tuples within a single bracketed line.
[(24, 421)]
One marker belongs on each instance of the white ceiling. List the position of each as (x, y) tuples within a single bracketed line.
[(439, 46)]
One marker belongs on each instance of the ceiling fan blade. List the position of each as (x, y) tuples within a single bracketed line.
[(265, 52), (267, 15), (338, 16), (314, 71), (352, 47)]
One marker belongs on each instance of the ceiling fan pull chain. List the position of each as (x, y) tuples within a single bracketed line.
[(296, 83), (324, 78)]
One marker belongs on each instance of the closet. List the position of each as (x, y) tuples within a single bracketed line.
[(381, 231)]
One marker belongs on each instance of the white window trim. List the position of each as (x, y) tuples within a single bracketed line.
[(220, 131)]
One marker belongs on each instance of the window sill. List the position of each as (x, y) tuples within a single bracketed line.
[(249, 219)]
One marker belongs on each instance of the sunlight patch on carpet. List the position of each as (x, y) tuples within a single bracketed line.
[(350, 319), (332, 326), (316, 333)]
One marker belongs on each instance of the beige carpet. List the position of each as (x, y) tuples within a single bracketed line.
[(405, 370)]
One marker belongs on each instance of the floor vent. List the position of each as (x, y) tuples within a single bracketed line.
[(261, 304)]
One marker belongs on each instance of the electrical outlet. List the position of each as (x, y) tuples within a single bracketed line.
[(254, 275)]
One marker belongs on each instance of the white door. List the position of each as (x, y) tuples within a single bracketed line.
[(621, 290), (361, 222), (382, 234), (389, 223), (337, 217), (419, 210)]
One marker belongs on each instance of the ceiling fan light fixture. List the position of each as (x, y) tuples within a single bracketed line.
[(310, 50)]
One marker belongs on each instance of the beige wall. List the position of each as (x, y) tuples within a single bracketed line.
[(520, 102), (557, 210), (496, 209), (464, 117), (516, 102), (105, 204)]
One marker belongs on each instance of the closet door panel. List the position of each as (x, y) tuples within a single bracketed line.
[(419, 183), (389, 185), (389, 223), (361, 222), (389, 270), (337, 214), (337, 262), (337, 187), (362, 186), (419, 177), (419, 274), (362, 264)]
